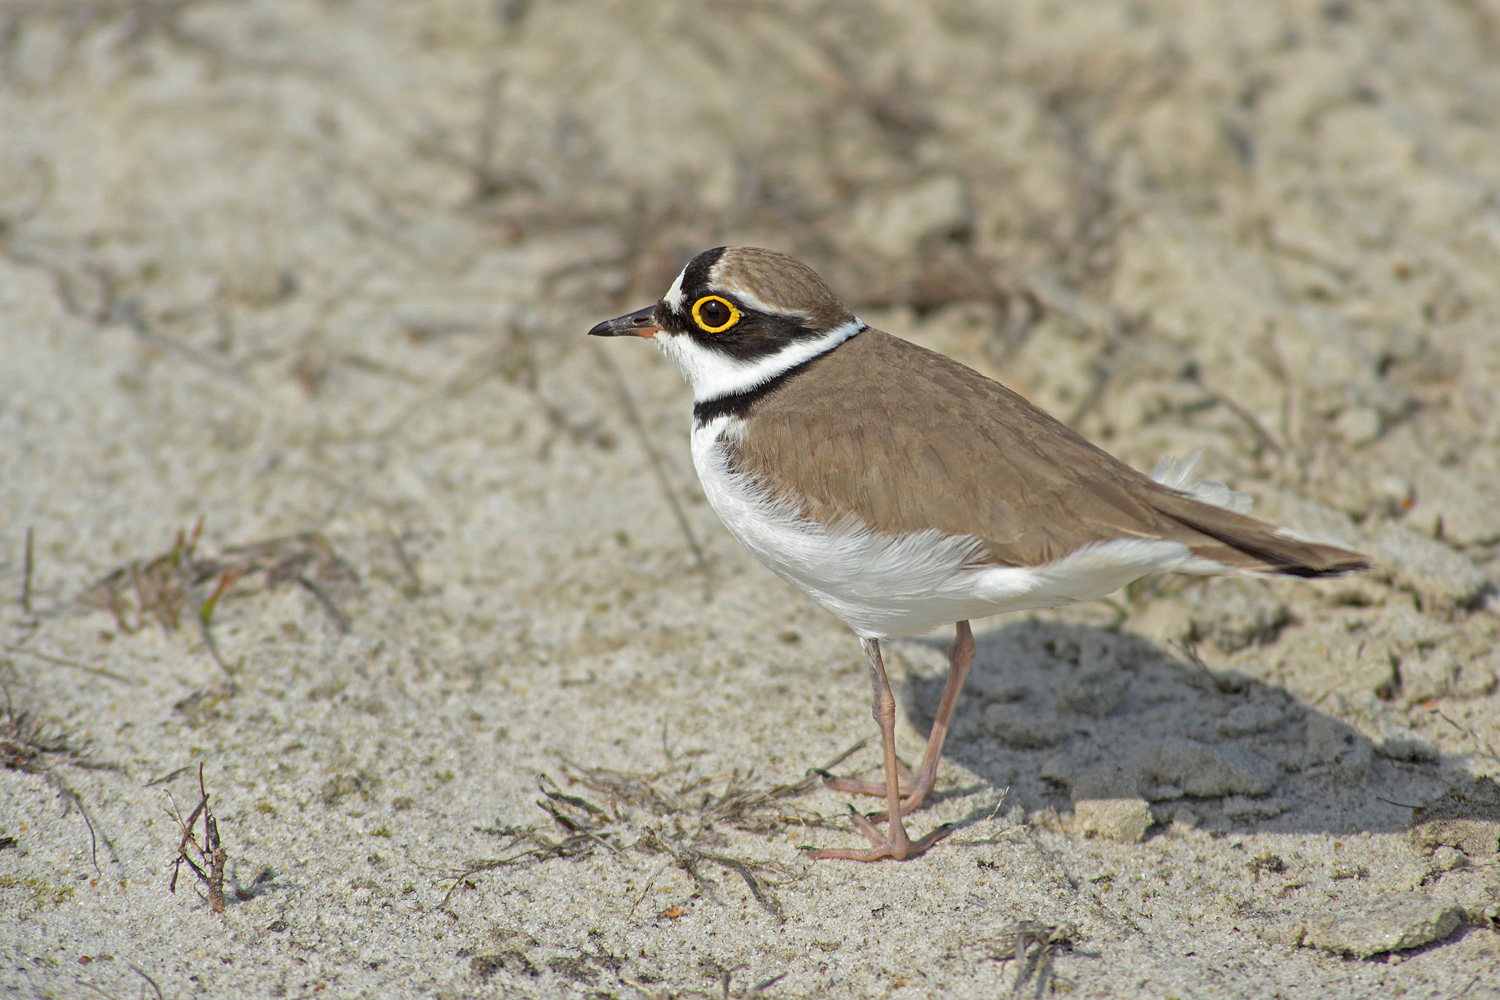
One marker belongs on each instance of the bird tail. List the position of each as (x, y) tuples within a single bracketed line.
[(1235, 539)]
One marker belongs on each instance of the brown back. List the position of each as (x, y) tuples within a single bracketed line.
[(904, 439)]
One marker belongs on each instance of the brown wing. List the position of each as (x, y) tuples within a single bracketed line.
[(905, 439)]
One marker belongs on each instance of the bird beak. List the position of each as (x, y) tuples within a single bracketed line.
[(641, 323)]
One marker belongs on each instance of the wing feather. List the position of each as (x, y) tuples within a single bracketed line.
[(904, 439)]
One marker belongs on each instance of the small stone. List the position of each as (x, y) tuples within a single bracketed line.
[(1397, 924), (1243, 807), (1288, 932), (1245, 720), (1480, 901), (1441, 577), (1358, 425), (1096, 693), (1023, 727), (1202, 770), (1184, 819), (1123, 820), (1329, 742), (1466, 818), (1403, 744)]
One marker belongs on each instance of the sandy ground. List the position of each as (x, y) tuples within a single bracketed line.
[(315, 273)]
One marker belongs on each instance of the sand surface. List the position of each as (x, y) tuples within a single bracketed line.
[(315, 274)]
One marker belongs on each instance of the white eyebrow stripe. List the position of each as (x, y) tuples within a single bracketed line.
[(750, 299), (673, 298)]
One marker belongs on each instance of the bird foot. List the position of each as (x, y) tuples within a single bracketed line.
[(896, 846)]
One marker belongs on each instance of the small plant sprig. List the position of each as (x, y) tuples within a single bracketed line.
[(211, 856)]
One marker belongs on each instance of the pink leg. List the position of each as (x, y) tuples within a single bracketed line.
[(914, 790), (894, 844)]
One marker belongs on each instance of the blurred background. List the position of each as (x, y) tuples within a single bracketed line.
[(1096, 166), (1137, 213), (315, 275)]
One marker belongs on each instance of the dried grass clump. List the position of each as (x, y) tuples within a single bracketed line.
[(31, 745), (671, 814), (1033, 946), (158, 590)]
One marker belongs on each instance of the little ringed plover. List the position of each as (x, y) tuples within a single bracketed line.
[(901, 490)]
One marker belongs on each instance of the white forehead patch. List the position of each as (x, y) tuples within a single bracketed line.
[(673, 298)]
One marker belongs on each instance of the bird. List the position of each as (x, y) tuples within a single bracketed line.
[(902, 490)]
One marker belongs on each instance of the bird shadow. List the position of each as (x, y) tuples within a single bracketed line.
[(1060, 712)]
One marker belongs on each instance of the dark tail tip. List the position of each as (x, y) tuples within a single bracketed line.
[(1352, 562)]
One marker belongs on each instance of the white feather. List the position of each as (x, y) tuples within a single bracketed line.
[(673, 298), (883, 586), (1181, 473), (713, 374)]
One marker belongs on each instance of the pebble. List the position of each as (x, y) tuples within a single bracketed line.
[(1398, 495), (1440, 576), (1123, 820), (1245, 720), (1096, 693), (1400, 923), (1336, 744), (1403, 744), (1359, 425)]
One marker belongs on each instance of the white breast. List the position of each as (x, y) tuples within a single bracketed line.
[(882, 585)]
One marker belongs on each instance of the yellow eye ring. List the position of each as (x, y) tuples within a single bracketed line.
[(717, 307)]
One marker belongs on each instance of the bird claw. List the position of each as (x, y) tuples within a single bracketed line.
[(895, 848)]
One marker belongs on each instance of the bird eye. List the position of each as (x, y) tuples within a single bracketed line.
[(714, 314)]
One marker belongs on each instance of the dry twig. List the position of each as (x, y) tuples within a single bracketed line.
[(209, 867), (63, 662), (757, 990), (26, 746), (671, 814)]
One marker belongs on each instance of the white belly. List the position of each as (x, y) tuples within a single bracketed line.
[(883, 586)]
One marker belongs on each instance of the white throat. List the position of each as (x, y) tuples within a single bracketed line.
[(713, 374)]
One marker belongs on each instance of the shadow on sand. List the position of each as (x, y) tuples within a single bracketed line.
[(1062, 712)]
